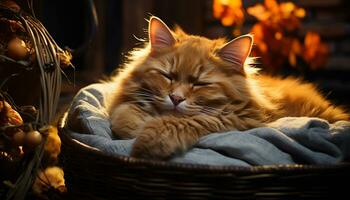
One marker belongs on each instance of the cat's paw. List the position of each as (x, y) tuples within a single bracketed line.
[(126, 119), (147, 146), (156, 142)]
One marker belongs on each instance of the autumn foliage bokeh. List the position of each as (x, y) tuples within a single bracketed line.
[(276, 37), (229, 12)]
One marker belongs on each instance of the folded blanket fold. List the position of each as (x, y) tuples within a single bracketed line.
[(289, 140)]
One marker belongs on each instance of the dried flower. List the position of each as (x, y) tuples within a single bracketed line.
[(65, 58), (10, 4), (8, 115)]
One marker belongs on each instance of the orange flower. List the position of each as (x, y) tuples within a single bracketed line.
[(275, 36), (294, 51), (230, 12), (315, 52), (268, 46), (259, 11), (258, 31), (271, 5), (281, 15), (275, 20)]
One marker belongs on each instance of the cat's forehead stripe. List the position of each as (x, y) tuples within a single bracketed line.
[(190, 65)]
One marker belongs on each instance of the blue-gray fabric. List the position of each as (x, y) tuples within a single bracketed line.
[(289, 140)]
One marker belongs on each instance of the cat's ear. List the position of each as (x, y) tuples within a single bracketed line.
[(237, 50), (160, 35)]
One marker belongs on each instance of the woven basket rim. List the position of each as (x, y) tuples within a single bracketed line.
[(188, 166)]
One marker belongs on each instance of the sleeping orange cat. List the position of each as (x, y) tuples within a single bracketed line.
[(181, 87)]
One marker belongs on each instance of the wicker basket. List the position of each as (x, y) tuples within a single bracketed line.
[(90, 174)]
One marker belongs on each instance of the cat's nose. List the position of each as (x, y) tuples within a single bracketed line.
[(176, 99)]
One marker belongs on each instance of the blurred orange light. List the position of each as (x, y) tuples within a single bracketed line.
[(275, 33), (278, 35), (230, 12), (315, 52)]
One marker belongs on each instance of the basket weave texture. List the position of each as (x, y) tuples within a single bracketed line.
[(91, 174)]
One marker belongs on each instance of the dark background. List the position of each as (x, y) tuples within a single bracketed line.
[(120, 21)]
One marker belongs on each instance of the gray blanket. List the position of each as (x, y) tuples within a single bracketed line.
[(289, 140)]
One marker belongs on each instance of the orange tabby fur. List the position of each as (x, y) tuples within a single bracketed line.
[(219, 94)]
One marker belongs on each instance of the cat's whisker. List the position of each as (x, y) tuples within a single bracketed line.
[(203, 109), (140, 93), (214, 109), (142, 96), (205, 112), (146, 90), (192, 106), (158, 98), (141, 100), (211, 110), (198, 106), (150, 95), (208, 111), (140, 103), (208, 108), (144, 102)]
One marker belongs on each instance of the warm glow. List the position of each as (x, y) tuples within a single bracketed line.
[(275, 33), (275, 38), (278, 35), (300, 12), (285, 14), (259, 12), (315, 51), (230, 12)]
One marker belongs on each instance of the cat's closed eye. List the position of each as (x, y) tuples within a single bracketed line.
[(201, 84), (167, 76)]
